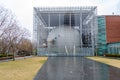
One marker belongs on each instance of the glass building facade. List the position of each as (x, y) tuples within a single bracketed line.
[(102, 43), (114, 48), (65, 31)]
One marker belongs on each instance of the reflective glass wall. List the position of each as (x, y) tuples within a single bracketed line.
[(65, 31)]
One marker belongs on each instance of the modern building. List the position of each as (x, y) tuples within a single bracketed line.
[(75, 31), (108, 34)]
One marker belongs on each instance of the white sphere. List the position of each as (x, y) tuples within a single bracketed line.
[(60, 37)]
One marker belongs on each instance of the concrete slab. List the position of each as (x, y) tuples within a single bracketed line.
[(76, 68)]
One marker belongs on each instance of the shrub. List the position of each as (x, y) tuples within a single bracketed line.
[(112, 55), (23, 53), (10, 55), (3, 55)]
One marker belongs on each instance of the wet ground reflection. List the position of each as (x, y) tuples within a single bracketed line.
[(76, 68)]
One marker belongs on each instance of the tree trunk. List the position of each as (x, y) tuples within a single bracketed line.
[(13, 56)]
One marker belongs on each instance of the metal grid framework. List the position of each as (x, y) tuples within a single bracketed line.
[(65, 31)]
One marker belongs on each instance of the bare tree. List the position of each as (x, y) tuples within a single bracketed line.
[(5, 22), (11, 33), (25, 45)]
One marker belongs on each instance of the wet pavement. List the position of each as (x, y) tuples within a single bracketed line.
[(76, 68)]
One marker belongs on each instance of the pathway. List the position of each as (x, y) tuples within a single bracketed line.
[(76, 68)]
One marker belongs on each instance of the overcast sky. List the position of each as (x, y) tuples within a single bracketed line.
[(23, 8)]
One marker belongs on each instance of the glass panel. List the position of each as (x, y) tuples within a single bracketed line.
[(65, 19), (44, 18), (54, 19), (75, 19)]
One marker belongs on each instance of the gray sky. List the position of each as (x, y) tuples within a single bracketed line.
[(23, 8)]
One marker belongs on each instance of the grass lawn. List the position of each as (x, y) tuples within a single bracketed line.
[(25, 69), (110, 61)]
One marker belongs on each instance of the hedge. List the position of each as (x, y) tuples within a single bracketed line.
[(112, 55)]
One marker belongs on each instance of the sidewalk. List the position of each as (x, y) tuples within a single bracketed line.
[(17, 58)]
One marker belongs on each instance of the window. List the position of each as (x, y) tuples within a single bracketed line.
[(65, 19), (75, 19), (54, 19), (44, 18)]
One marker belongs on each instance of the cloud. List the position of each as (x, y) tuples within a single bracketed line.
[(118, 8), (23, 11), (104, 6)]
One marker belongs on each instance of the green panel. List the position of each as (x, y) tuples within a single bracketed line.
[(102, 47)]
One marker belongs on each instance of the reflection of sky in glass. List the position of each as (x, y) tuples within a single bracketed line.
[(76, 68)]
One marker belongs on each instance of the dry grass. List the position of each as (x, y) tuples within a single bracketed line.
[(109, 61), (21, 69)]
